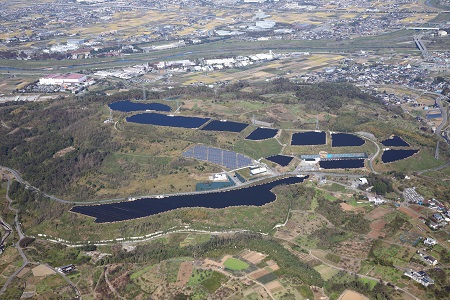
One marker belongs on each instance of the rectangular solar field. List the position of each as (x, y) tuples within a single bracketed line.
[(228, 159)]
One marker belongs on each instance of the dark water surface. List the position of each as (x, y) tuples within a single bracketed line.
[(309, 138), (342, 164), (257, 195), (231, 126), (395, 141), (345, 140), (167, 120), (128, 106), (394, 155), (282, 160), (262, 134)]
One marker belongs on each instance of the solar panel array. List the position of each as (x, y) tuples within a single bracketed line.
[(228, 159)]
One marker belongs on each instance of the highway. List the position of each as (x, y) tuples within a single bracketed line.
[(444, 115), (425, 54)]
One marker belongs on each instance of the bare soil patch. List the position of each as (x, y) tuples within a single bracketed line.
[(347, 207), (258, 273), (24, 272), (376, 228), (374, 234), (64, 151), (409, 212), (253, 257), (377, 213), (378, 224), (184, 273), (274, 286), (42, 270), (418, 208), (273, 265), (352, 295)]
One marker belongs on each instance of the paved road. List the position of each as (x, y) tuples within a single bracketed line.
[(374, 156), (22, 181), (67, 280)]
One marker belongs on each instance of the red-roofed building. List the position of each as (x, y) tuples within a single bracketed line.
[(71, 78)]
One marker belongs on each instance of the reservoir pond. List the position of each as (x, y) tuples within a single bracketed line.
[(262, 134), (282, 160), (309, 138), (395, 141), (167, 120), (223, 125), (342, 164), (128, 106), (345, 140), (394, 155), (257, 195)]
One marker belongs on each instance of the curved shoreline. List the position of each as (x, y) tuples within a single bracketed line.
[(130, 210)]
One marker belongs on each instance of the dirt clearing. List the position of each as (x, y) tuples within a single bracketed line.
[(42, 270), (274, 286), (184, 273), (253, 257), (352, 295), (259, 273), (409, 212), (377, 213)]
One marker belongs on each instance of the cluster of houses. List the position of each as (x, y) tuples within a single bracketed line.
[(409, 75), (420, 276), (439, 219), (429, 242)]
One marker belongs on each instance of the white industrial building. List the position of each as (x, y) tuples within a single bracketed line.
[(266, 24), (259, 170), (72, 78), (442, 33), (219, 177)]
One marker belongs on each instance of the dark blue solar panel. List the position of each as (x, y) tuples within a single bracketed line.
[(200, 154), (228, 159), (189, 152)]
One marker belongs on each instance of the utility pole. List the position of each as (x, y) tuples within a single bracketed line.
[(436, 154)]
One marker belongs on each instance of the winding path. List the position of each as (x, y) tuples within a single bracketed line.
[(21, 236), (17, 244)]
